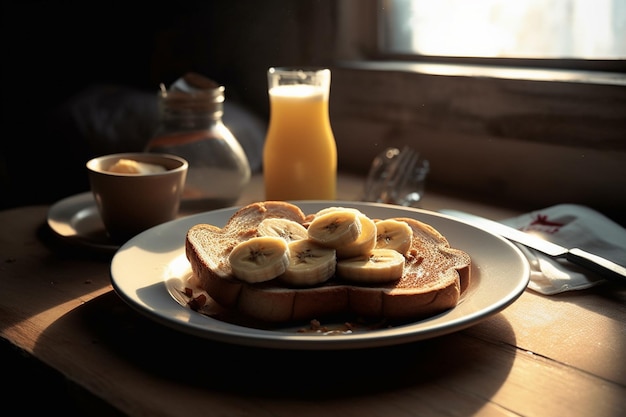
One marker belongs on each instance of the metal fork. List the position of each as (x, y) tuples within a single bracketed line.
[(392, 176)]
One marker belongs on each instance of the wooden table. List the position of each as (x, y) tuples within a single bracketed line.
[(70, 344)]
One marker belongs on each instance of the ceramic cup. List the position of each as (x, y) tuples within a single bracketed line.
[(131, 202)]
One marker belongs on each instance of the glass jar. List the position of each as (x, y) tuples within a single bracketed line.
[(191, 126)]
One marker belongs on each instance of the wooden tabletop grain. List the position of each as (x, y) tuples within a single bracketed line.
[(66, 334)]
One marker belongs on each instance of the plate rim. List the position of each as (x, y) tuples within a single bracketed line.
[(191, 322)]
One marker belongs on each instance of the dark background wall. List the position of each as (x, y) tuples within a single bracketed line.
[(104, 60), (80, 78)]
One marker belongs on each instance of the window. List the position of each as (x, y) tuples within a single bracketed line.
[(543, 31), (528, 128)]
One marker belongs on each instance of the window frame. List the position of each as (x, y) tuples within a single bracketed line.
[(371, 46)]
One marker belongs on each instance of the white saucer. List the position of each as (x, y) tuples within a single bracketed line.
[(77, 220)]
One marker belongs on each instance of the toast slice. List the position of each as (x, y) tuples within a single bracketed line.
[(435, 275)]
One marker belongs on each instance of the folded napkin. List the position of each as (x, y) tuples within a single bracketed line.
[(572, 226)]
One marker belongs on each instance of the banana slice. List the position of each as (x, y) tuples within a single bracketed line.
[(394, 234), (364, 243), (259, 259), (309, 263), (335, 228), (378, 266), (285, 228), (336, 208)]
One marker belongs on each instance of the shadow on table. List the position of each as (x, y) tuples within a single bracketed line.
[(453, 364)]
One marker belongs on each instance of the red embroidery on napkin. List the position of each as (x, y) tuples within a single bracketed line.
[(542, 223)]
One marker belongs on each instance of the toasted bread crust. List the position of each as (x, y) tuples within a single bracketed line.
[(435, 275)]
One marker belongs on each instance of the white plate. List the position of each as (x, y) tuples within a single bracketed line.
[(77, 220), (147, 270)]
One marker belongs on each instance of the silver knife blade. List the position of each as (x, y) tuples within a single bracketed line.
[(602, 266)]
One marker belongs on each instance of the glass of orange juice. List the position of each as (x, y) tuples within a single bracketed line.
[(300, 153)]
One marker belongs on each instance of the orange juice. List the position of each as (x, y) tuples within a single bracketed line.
[(300, 153)]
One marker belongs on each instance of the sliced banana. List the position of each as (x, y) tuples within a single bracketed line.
[(285, 228), (394, 234), (364, 243), (378, 266), (335, 228), (309, 263), (259, 259), (336, 208)]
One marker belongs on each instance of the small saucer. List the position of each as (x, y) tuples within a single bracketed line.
[(77, 220)]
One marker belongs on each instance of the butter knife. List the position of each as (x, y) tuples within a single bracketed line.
[(605, 267)]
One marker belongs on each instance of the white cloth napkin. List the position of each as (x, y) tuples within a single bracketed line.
[(572, 226)]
